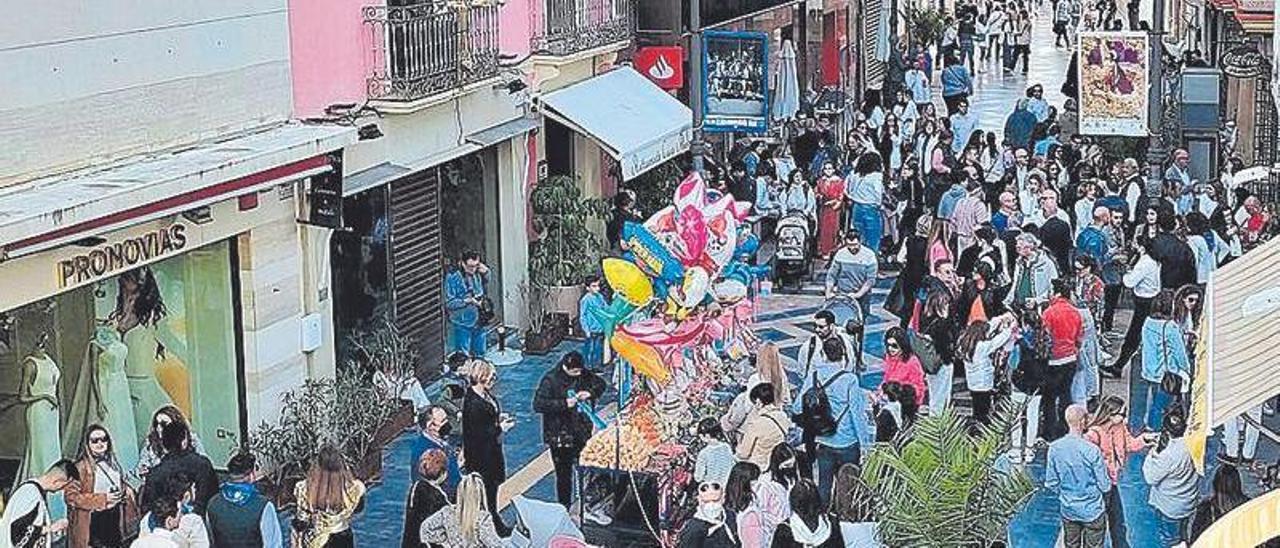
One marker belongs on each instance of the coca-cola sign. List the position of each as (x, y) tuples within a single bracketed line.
[(1243, 62), (664, 65)]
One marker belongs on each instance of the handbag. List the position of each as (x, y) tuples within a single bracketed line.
[(925, 350)]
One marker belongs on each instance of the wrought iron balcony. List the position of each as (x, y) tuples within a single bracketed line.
[(428, 48), (564, 27)]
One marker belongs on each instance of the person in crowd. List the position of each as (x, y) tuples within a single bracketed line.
[(766, 428), (1177, 259), (1008, 215), (240, 515), (768, 370), (191, 531), (435, 428), (1085, 206), (938, 328), (1028, 370), (1076, 471), (851, 505), (1086, 384), (865, 191), (1197, 231), (716, 458), (978, 300), (1087, 289), (852, 274), (831, 190), (101, 505), (1062, 321), (712, 525), (483, 424), (560, 397), (1094, 240), (1165, 364), (1144, 279), (1055, 230), (590, 308), (623, 212), (1022, 42), (163, 522), (810, 524), (153, 448), (426, 497), (964, 125), (915, 267), (468, 523), (1109, 430), (977, 348), (825, 329), (1019, 125), (1037, 104), (957, 84), (180, 457), (327, 498), (1174, 481), (466, 301), (890, 417), (26, 519), (752, 527), (1240, 438), (1033, 272), (917, 83), (799, 199), (783, 163), (901, 364), (904, 109), (970, 213), (1227, 494), (850, 412)]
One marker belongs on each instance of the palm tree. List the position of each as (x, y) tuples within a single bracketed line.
[(939, 485)]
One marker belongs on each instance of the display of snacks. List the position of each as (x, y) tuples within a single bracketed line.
[(627, 448)]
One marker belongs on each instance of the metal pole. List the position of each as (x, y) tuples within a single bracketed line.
[(1155, 112), (697, 145)]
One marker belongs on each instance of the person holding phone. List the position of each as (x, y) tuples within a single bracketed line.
[(101, 507), (483, 424), (467, 305)]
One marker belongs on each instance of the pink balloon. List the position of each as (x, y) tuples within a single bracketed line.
[(692, 228)]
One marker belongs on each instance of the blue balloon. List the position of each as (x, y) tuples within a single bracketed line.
[(649, 254)]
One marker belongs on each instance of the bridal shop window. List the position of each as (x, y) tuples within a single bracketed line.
[(115, 351)]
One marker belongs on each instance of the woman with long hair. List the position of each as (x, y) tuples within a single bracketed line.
[(809, 525), (101, 506), (769, 369), (1164, 353), (830, 204), (1188, 302), (327, 499), (153, 449), (1109, 430), (939, 245), (938, 328), (465, 524), (866, 196), (483, 424), (852, 506), (901, 365), (739, 498), (977, 348), (1227, 494), (889, 144)]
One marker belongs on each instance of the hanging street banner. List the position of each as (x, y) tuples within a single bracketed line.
[(1114, 83), (735, 92)]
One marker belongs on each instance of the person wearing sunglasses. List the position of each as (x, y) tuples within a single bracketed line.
[(101, 507), (1109, 430), (712, 525)]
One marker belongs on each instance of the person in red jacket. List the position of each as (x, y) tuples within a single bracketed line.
[(1066, 329)]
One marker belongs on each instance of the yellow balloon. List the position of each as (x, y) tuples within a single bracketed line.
[(642, 357), (628, 281)]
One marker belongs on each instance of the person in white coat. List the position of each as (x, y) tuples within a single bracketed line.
[(977, 347)]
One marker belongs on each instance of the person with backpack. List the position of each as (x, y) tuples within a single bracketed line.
[(1028, 364), (833, 410), (824, 328)]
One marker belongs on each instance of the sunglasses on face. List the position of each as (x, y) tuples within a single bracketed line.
[(710, 486), (99, 439), (893, 345)]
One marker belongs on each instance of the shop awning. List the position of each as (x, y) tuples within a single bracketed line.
[(631, 118), (1243, 333), (502, 132), (56, 210)]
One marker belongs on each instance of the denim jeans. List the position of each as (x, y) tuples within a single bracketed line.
[(1115, 518), (469, 339), (831, 459), (866, 218), (1169, 531), (1148, 404), (593, 350)]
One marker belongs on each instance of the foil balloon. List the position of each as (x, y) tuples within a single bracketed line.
[(615, 314), (729, 291), (642, 357), (695, 286), (628, 281), (650, 255), (692, 228)]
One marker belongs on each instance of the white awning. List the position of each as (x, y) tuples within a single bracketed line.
[(1243, 333), (631, 118), (52, 211)]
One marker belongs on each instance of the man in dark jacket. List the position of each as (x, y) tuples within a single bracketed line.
[(565, 428), (1177, 260), (179, 457), (239, 515), (1019, 125)]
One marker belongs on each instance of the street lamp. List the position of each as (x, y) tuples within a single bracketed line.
[(1155, 104)]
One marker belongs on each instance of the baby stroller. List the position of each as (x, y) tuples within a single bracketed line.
[(848, 314), (792, 260)]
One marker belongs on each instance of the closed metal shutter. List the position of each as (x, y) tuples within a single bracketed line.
[(417, 265), (874, 69)]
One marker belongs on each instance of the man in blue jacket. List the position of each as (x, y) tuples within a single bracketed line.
[(463, 296), (850, 409), (1019, 125)]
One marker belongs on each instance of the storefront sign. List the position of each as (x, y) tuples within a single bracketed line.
[(735, 92), (1244, 62), (1114, 94), (664, 65), (111, 258)]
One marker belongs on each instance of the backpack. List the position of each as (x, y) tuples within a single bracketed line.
[(1033, 363), (815, 408)]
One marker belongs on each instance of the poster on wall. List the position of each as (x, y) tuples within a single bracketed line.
[(1113, 83), (735, 93)]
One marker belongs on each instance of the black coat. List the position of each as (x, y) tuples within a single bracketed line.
[(1057, 238), (482, 436), (1177, 261), (424, 499), (696, 533), (564, 426), (193, 464), (783, 537)]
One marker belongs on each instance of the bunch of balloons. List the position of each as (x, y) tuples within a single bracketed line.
[(684, 282)]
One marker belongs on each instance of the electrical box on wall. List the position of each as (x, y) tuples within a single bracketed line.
[(312, 332)]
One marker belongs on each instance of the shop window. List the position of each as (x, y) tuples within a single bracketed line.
[(361, 275), (559, 149), (116, 351)]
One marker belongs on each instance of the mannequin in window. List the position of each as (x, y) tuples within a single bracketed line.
[(106, 358), (39, 393), (139, 309)]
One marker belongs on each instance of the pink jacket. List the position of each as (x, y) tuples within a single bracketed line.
[(905, 372), (1116, 443)]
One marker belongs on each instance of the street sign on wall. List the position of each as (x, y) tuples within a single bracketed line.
[(735, 92), (1114, 80), (663, 65)]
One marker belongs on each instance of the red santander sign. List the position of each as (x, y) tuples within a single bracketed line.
[(664, 65)]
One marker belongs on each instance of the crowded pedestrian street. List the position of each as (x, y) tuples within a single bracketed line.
[(640, 273)]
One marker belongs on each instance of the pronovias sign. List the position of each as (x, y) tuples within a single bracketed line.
[(112, 257)]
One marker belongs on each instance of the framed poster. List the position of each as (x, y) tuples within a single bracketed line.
[(735, 91), (1114, 71)]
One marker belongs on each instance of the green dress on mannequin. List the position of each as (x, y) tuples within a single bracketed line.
[(115, 409), (44, 446)]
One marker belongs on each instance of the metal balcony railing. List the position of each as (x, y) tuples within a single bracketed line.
[(424, 49), (564, 27)]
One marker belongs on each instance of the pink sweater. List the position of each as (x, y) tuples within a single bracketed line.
[(1116, 444), (907, 372)]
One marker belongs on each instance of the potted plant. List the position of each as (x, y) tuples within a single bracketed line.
[(545, 328), (938, 484), (926, 25), (566, 246)]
